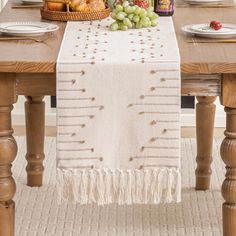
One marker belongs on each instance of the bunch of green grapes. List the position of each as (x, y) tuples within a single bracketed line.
[(132, 17)]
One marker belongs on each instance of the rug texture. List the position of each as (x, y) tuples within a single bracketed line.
[(37, 212)]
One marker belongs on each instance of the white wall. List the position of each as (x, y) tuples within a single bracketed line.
[(18, 117), (187, 116)]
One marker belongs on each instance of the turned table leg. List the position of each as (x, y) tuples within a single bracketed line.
[(8, 151), (228, 154), (205, 116), (35, 131)]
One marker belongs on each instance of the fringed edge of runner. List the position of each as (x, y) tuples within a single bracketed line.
[(105, 186)]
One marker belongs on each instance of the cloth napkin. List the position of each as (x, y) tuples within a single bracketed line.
[(118, 115)]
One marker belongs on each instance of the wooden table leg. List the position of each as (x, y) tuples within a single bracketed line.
[(205, 116), (35, 131), (8, 151), (228, 154)]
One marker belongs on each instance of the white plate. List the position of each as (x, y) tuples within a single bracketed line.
[(32, 2), (205, 28), (187, 29), (203, 1), (26, 28)]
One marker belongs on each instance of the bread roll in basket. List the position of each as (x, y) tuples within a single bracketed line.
[(74, 10)]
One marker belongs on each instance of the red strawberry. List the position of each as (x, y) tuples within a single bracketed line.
[(142, 3), (212, 24), (217, 26)]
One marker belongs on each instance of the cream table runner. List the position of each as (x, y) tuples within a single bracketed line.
[(118, 115)]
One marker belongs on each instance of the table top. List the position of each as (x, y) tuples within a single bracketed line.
[(30, 57), (205, 58)]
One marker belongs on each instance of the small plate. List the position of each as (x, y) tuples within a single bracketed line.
[(188, 29), (26, 28), (203, 1), (205, 28)]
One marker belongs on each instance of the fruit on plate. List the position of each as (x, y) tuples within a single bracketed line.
[(212, 23), (215, 25), (132, 17), (142, 3), (56, 6), (86, 5)]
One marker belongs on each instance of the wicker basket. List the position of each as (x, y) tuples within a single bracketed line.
[(72, 16)]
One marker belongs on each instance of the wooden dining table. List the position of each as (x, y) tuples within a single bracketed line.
[(28, 68)]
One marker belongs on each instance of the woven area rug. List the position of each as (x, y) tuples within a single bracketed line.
[(37, 212)]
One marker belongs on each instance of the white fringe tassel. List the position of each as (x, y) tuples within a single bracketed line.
[(105, 186)]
